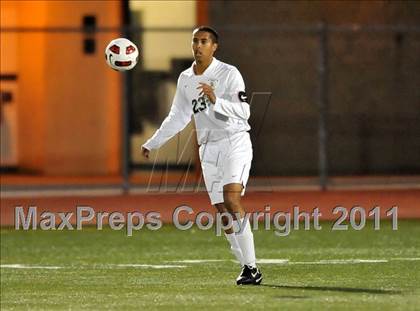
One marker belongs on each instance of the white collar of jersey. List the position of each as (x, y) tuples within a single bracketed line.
[(209, 69)]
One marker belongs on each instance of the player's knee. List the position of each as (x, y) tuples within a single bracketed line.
[(232, 201), (220, 208)]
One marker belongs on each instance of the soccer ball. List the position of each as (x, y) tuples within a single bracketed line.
[(121, 54)]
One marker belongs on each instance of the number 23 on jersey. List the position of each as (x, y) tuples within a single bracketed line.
[(199, 104)]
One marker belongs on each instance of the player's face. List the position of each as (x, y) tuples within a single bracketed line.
[(203, 46)]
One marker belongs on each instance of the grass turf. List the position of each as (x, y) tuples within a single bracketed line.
[(90, 278)]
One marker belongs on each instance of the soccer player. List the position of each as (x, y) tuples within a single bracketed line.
[(213, 93)]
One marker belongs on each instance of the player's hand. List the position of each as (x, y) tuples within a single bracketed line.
[(145, 152), (207, 90)]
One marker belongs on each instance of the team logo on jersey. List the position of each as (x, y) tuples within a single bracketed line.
[(242, 96), (213, 84)]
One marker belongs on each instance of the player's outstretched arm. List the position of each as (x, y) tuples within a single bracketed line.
[(177, 119)]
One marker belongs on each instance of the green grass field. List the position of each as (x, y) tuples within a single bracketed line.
[(90, 274)]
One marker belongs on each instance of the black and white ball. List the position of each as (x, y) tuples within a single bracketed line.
[(121, 54)]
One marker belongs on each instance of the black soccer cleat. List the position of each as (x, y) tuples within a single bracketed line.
[(249, 276)]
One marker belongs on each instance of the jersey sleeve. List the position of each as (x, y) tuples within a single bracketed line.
[(234, 103), (178, 118)]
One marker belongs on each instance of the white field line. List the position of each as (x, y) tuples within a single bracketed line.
[(338, 262), (273, 261), (198, 261), (148, 266), (333, 261), (20, 266), (288, 262)]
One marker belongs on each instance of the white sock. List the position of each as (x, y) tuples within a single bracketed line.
[(234, 247), (246, 242)]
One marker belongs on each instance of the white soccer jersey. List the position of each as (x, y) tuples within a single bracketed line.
[(229, 115)]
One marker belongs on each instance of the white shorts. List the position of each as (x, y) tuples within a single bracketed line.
[(226, 161)]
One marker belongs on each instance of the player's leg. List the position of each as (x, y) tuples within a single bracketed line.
[(221, 209), (250, 274), (236, 169), (232, 201), (213, 179), (230, 234)]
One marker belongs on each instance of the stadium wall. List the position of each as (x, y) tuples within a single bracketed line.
[(68, 112)]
